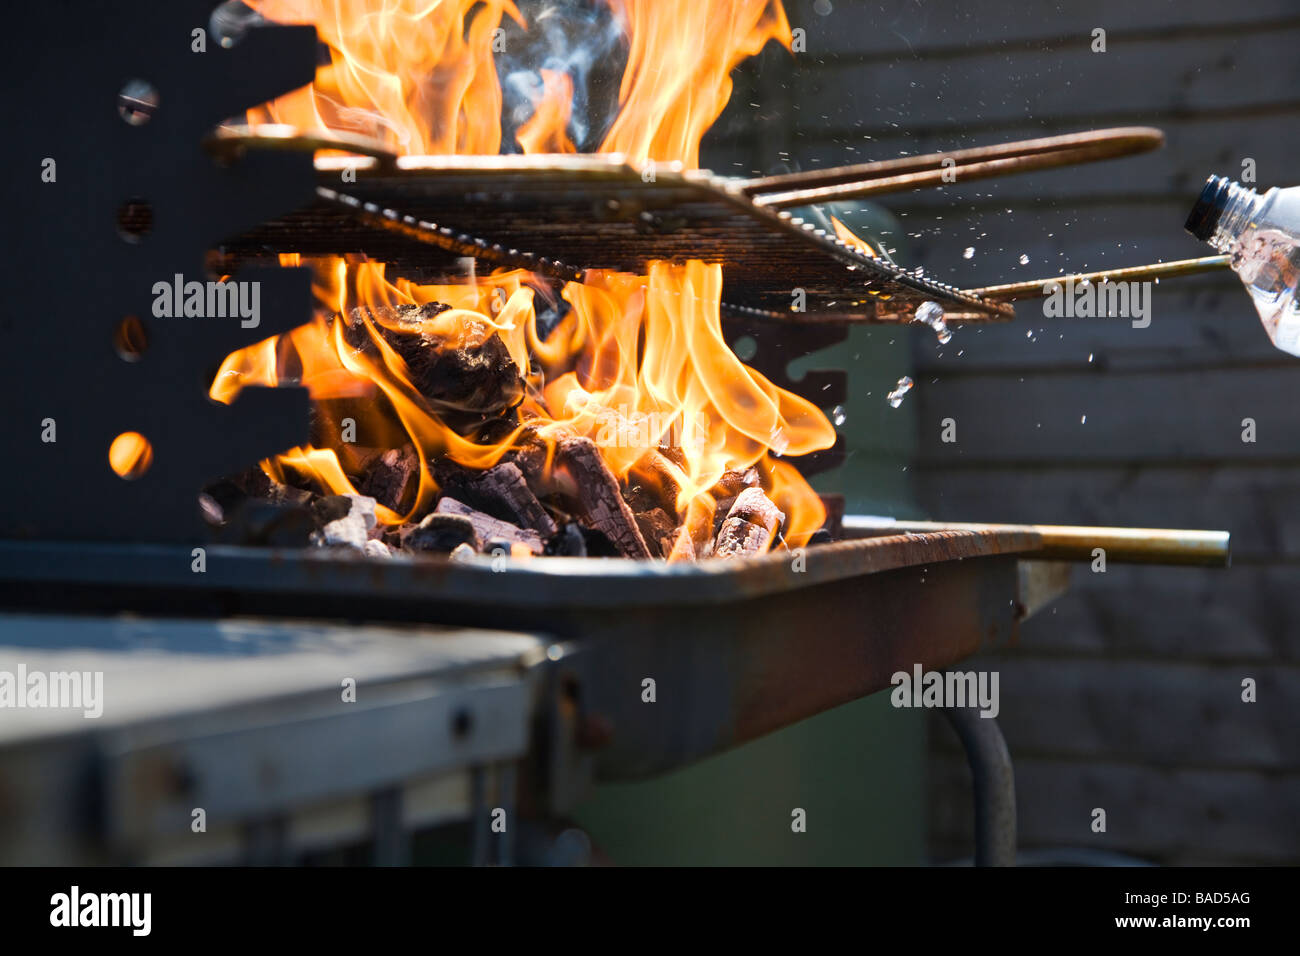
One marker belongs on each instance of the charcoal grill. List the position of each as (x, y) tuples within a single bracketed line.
[(480, 685)]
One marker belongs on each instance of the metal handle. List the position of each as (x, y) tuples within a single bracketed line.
[(1037, 288), (1077, 542), (229, 142), (934, 169)]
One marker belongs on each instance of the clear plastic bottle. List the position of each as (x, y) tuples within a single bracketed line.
[(1262, 235)]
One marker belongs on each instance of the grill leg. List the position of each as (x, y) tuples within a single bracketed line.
[(994, 784), (391, 845)]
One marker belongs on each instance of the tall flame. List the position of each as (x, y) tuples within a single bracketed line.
[(415, 74), (419, 75), (545, 131), (637, 363), (678, 75)]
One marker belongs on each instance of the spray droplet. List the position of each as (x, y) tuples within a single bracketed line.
[(1083, 420), (838, 416), (931, 314), (895, 398), (1024, 260), (968, 252)]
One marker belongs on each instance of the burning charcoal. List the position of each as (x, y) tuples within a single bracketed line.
[(392, 479), (465, 372), (655, 484), (463, 552), (394, 535), (821, 536), (500, 491), (442, 533), (507, 483), (530, 454), (364, 506), (267, 524), (331, 508), (568, 542), (596, 490), (750, 526), (675, 454), (683, 548), (352, 529), (257, 484), (367, 437), (344, 532), (489, 528), (376, 549), (731, 484), (659, 531)]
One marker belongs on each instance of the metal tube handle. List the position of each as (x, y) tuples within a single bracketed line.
[(939, 169), (1078, 542)]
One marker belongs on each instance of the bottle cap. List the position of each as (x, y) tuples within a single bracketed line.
[(1205, 215)]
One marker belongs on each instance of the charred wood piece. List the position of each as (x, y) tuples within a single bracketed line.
[(750, 526), (488, 528), (393, 479), (500, 491), (658, 530), (465, 372), (729, 486), (440, 533), (597, 493), (346, 520)]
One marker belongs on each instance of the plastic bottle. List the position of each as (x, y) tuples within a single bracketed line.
[(1262, 235)]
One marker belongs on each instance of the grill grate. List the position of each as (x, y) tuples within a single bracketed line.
[(559, 214)]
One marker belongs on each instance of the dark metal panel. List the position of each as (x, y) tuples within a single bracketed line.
[(70, 277), (732, 674), (245, 719)]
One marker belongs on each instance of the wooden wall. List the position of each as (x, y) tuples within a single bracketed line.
[(1126, 694)]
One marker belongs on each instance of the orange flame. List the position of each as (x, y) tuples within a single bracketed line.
[(678, 75), (845, 234), (639, 365), (419, 75), (410, 73), (544, 132)]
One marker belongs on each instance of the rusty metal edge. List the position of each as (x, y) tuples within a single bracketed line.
[(535, 583)]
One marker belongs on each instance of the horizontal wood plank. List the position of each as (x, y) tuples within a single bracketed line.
[(1259, 506), (1158, 713), (1194, 324), (1171, 816), (907, 28), (1117, 417), (985, 87), (1245, 613)]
